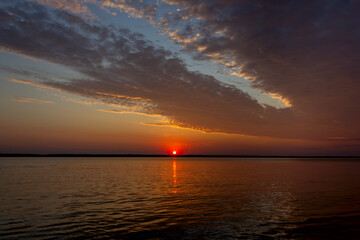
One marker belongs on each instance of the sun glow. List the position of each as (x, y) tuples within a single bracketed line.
[(174, 152)]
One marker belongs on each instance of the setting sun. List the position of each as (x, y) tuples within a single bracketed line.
[(174, 152)]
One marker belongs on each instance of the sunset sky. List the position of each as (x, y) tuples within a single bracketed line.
[(196, 77)]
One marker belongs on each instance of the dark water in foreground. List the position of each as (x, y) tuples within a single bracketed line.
[(164, 198)]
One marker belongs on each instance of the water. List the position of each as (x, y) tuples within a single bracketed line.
[(182, 198)]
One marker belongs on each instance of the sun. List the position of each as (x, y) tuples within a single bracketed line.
[(174, 152)]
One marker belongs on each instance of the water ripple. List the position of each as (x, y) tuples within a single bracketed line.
[(178, 199)]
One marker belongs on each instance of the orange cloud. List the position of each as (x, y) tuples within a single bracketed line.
[(31, 100), (124, 97), (27, 82), (129, 112), (74, 6)]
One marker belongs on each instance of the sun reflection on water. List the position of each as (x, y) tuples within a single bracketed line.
[(174, 175)]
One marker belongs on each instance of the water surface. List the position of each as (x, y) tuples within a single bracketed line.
[(179, 198)]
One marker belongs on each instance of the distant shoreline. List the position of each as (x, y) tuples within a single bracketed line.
[(160, 155)]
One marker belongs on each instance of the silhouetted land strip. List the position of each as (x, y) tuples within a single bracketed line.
[(159, 155)]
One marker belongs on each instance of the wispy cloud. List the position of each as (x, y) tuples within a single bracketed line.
[(27, 82), (137, 9), (128, 112), (283, 100), (74, 6), (31, 100), (169, 124), (124, 97)]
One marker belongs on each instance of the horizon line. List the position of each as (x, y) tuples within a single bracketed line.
[(169, 155)]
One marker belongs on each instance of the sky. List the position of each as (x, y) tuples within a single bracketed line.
[(197, 77)]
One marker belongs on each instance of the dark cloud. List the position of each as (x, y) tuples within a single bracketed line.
[(121, 67), (306, 51)]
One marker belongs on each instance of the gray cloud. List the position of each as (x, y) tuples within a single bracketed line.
[(121, 67), (307, 52)]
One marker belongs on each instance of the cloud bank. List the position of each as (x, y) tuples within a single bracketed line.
[(306, 53)]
